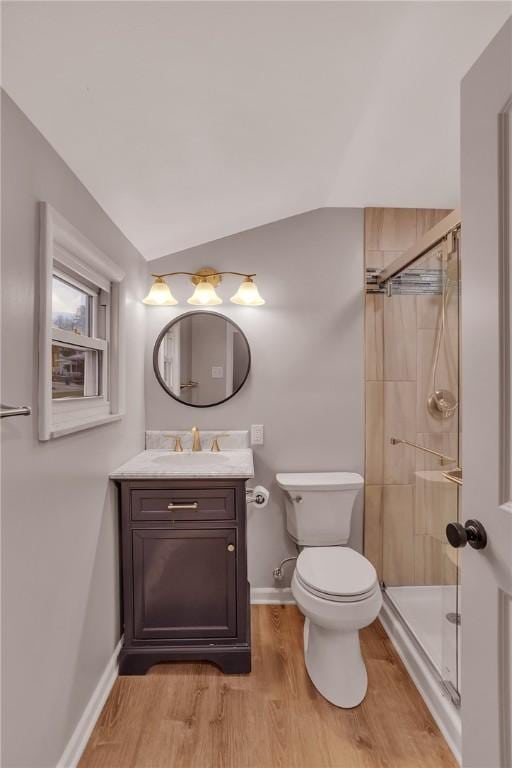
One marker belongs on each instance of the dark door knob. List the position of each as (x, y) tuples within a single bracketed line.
[(472, 533)]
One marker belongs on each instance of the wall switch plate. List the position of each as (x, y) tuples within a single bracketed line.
[(257, 434), (217, 372)]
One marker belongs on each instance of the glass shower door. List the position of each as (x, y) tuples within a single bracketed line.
[(421, 433)]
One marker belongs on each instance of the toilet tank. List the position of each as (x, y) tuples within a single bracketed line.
[(319, 506)]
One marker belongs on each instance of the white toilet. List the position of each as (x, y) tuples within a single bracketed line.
[(335, 587)]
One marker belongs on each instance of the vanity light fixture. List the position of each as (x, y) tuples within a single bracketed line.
[(248, 294), (205, 295), (160, 294), (205, 281)]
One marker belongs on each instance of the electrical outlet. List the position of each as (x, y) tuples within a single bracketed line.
[(257, 434)]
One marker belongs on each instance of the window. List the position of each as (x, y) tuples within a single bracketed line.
[(80, 341), (79, 337)]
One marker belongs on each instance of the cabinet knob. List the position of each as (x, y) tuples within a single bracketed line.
[(231, 547)]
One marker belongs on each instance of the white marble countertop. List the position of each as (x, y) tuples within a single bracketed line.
[(159, 463)]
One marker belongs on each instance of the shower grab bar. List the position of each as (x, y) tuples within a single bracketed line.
[(444, 459), (14, 410)]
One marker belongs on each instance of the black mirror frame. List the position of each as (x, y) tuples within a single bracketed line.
[(160, 338)]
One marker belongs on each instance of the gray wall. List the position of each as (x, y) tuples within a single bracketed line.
[(60, 605), (306, 384)]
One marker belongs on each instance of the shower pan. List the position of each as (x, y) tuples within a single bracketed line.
[(422, 423)]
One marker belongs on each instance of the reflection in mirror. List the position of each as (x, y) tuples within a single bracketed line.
[(202, 358)]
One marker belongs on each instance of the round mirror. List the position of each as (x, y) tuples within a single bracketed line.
[(201, 358)]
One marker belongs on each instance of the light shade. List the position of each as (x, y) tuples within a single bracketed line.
[(248, 294), (204, 295), (160, 294)]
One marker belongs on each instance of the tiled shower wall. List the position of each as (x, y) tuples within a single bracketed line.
[(407, 502)]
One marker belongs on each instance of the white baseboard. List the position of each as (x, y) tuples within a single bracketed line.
[(77, 743), (446, 715), (271, 596)]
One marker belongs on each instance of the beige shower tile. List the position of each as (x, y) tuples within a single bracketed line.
[(374, 337), (380, 259), (373, 513), (447, 377), (374, 432), (432, 565), (399, 422), (400, 338), (428, 561), (426, 218), (428, 310), (390, 229), (398, 535), (374, 259), (435, 503)]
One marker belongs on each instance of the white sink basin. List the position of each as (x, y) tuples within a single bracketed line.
[(191, 459), (189, 464)]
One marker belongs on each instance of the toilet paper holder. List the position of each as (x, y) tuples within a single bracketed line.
[(258, 495)]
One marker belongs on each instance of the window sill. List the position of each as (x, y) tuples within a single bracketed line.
[(79, 426)]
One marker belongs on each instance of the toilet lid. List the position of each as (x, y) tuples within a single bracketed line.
[(336, 571), (319, 481)]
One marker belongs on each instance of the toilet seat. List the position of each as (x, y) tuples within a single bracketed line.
[(337, 574)]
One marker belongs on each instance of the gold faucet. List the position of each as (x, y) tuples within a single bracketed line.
[(178, 447), (196, 445), (215, 442)]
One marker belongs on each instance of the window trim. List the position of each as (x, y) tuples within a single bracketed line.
[(62, 245)]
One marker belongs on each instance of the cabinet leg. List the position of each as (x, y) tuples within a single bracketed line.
[(233, 663), (135, 664)]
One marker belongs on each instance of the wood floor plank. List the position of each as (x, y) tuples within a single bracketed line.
[(193, 716)]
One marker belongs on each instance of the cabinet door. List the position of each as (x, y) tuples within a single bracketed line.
[(184, 583)]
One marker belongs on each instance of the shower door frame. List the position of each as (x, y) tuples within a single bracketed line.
[(442, 697), (430, 239)]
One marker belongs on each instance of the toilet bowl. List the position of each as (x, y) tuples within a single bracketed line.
[(335, 587), (338, 592)]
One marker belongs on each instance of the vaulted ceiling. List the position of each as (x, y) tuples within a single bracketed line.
[(189, 121)]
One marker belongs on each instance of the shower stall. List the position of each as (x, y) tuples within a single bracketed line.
[(418, 418)]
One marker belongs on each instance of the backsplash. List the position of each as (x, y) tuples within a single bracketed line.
[(230, 440)]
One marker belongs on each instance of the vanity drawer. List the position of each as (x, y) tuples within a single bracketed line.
[(183, 504)]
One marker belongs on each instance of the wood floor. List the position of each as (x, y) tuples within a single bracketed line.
[(193, 716)]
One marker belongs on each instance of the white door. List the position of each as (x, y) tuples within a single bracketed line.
[(170, 358), (486, 605)]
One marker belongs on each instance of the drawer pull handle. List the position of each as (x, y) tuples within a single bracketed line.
[(231, 547), (194, 505)]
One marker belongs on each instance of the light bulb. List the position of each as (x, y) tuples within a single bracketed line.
[(204, 295), (160, 294), (248, 294)]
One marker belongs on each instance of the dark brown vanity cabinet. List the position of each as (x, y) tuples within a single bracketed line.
[(184, 573)]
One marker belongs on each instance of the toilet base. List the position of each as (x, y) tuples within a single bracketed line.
[(335, 665)]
